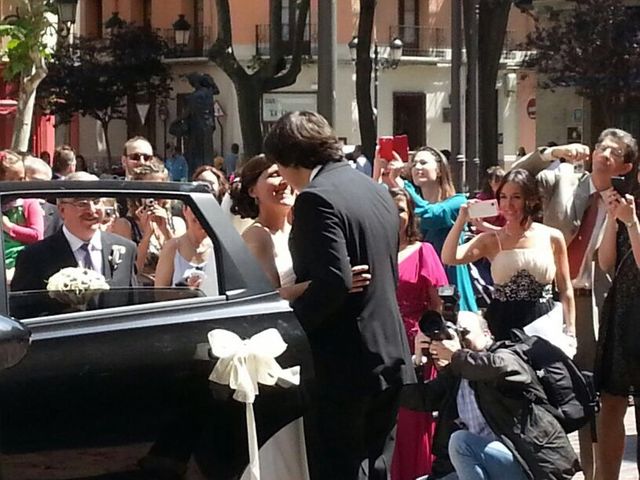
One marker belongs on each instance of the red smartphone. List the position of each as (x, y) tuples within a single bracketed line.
[(386, 148), (401, 146)]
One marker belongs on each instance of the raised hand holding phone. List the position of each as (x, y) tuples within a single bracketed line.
[(483, 209)]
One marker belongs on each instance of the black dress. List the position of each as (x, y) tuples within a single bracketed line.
[(617, 369)]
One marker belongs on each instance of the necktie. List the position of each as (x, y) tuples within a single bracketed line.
[(578, 246), (85, 257)]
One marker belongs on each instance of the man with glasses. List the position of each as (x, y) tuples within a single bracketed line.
[(137, 152), (79, 243), (574, 203)]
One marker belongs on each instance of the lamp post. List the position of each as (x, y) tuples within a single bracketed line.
[(181, 31), (392, 60), (163, 114), (66, 17)]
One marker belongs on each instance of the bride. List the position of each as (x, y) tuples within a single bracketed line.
[(262, 194), (526, 257)]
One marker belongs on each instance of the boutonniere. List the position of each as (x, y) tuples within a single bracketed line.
[(116, 256)]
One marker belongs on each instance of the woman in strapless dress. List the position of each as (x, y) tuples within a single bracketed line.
[(526, 258), (263, 195)]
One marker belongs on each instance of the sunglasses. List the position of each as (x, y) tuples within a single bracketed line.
[(139, 157)]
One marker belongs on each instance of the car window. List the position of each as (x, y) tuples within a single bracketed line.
[(84, 253)]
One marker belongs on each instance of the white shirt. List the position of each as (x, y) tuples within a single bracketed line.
[(314, 172), (95, 248)]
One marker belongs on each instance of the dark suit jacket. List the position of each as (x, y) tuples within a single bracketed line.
[(342, 219), (37, 262)]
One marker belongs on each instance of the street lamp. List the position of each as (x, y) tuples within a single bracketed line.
[(392, 60), (67, 11), (181, 30), (66, 16), (114, 23)]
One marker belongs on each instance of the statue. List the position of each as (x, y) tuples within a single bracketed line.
[(198, 121)]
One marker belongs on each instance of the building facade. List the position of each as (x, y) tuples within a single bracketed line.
[(412, 98)]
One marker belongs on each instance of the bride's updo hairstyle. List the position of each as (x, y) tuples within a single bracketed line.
[(529, 190), (243, 203)]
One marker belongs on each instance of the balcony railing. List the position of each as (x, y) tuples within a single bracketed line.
[(435, 43), (309, 42), (199, 43), (420, 41)]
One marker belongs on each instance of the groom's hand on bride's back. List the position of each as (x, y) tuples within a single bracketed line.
[(360, 278)]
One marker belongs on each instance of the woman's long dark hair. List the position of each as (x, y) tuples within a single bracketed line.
[(412, 231), (529, 189), (445, 179), (243, 203)]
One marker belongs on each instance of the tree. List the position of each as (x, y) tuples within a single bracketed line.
[(28, 51), (493, 16), (95, 77), (596, 49), (364, 67), (278, 71)]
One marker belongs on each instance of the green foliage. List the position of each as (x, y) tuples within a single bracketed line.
[(27, 33), (594, 47), (94, 77)]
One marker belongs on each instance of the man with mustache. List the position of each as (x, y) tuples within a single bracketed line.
[(81, 243)]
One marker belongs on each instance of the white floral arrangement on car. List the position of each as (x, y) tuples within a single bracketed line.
[(76, 286)]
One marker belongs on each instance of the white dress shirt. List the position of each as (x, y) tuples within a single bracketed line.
[(585, 276), (95, 248)]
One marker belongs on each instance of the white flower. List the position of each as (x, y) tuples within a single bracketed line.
[(75, 285), (117, 253)]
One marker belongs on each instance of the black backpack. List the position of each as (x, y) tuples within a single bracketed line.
[(571, 395)]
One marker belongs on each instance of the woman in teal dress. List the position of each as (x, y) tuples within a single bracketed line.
[(437, 206)]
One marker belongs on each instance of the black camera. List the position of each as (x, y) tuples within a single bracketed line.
[(450, 303), (439, 326), (434, 326)]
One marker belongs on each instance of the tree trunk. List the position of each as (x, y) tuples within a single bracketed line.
[(366, 119), (24, 117), (105, 129), (249, 99), (493, 20)]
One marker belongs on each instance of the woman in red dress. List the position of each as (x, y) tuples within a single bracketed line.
[(420, 273)]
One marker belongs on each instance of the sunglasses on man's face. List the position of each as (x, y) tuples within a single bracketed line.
[(139, 157)]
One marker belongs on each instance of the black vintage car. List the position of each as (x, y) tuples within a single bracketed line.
[(101, 385)]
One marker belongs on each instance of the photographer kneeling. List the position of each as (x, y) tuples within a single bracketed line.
[(488, 426)]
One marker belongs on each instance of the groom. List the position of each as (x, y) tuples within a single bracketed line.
[(342, 218)]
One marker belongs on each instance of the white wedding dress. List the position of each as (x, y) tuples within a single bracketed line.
[(284, 456)]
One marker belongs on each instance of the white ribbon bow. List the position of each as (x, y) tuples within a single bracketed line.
[(242, 365)]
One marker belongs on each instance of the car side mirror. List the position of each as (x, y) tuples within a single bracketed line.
[(14, 342)]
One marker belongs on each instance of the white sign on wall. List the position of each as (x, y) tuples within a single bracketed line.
[(274, 105)]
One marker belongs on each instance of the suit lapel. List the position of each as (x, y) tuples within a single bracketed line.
[(580, 201), (61, 246), (107, 244)]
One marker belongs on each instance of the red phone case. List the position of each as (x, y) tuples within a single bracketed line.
[(386, 148), (401, 146)]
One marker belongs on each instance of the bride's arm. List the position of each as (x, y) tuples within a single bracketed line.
[(360, 278), (563, 281), (260, 244)]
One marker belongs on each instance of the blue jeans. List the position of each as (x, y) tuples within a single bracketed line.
[(478, 458)]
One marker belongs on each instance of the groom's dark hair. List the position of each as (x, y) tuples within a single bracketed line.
[(302, 139)]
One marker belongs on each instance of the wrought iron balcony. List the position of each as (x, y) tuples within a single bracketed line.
[(199, 43), (420, 41), (309, 43)]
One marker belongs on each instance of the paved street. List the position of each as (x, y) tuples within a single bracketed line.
[(85, 463), (629, 470)]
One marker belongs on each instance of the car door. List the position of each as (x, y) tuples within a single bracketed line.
[(130, 373)]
